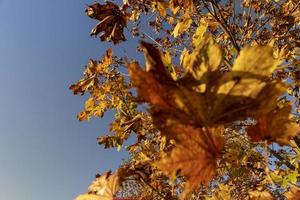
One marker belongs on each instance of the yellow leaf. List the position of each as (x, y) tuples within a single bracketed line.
[(198, 35), (247, 86), (103, 187), (194, 156), (89, 104), (89, 197), (183, 25), (261, 195), (253, 60), (167, 61), (205, 58), (257, 60)]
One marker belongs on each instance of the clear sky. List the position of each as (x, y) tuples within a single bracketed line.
[(45, 153)]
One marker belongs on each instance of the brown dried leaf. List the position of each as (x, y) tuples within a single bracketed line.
[(166, 97), (111, 21), (276, 126), (177, 5)]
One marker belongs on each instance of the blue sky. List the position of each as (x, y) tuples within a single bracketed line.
[(45, 153)]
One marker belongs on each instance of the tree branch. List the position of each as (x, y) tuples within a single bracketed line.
[(282, 159)]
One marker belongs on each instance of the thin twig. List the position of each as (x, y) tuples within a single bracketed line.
[(152, 188), (223, 25), (160, 45), (296, 7), (282, 159), (267, 168)]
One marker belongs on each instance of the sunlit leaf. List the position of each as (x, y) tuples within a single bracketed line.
[(104, 187), (160, 6), (261, 195), (183, 24), (205, 58), (293, 193), (198, 35), (194, 156)]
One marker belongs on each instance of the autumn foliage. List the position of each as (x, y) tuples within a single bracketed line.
[(214, 110)]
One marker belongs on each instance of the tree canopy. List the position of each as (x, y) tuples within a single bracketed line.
[(214, 107)]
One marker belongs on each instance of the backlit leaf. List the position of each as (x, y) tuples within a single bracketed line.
[(194, 156), (275, 126), (103, 187), (205, 58)]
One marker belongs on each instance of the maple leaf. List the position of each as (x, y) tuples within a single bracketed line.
[(204, 59), (199, 34), (176, 5), (261, 195), (166, 97), (111, 21), (240, 92), (293, 193), (194, 155), (104, 187), (178, 112), (161, 7), (275, 126), (90, 78)]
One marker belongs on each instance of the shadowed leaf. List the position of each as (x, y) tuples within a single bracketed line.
[(111, 21)]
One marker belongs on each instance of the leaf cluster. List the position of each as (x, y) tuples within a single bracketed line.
[(214, 110)]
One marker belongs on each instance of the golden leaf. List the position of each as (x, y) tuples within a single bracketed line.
[(177, 5), (246, 88), (293, 193), (276, 126), (103, 187), (88, 197), (261, 195), (89, 104), (161, 7), (253, 60), (205, 58), (198, 35), (90, 74), (194, 156), (257, 60), (183, 24), (167, 61)]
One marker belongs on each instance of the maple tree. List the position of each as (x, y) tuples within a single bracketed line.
[(215, 110)]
